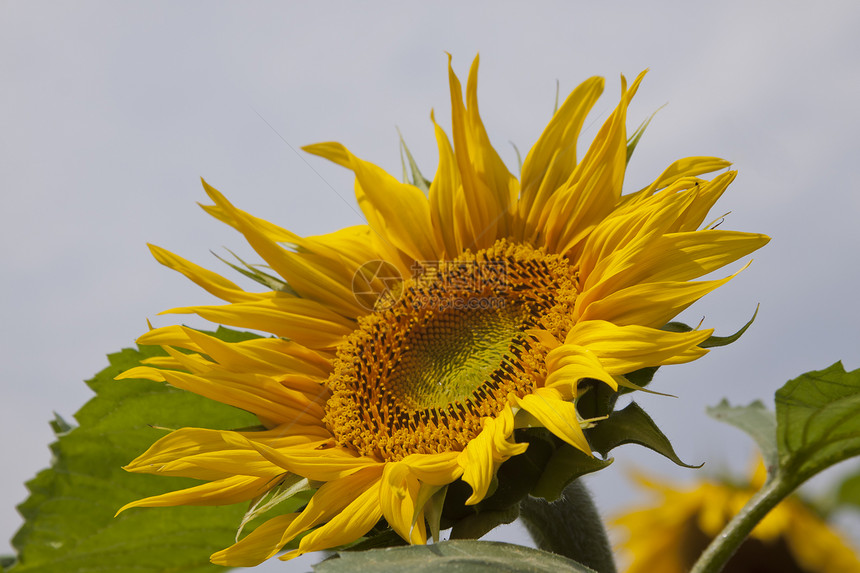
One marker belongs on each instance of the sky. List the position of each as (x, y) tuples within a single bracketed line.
[(111, 112)]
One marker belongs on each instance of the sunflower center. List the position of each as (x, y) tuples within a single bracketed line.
[(420, 376), (452, 354)]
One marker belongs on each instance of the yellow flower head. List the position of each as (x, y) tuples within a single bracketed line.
[(670, 535), (407, 351)]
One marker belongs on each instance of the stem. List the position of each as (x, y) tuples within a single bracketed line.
[(733, 535), (569, 526)]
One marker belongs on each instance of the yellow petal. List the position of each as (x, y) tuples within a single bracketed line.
[(650, 304), (483, 454), (552, 159), (488, 166), (306, 321), (312, 276), (317, 465), (594, 187), (445, 185), (265, 541), (397, 496), (234, 489), (632, 229), (686, 167), (347, 525), (260, 355), (435, 469), (210, 281), (398, 212), (264, 400), (556, 415), (487, 208), (675, 257), (570, 364), (262, 543), (623, 349), (184, 452)]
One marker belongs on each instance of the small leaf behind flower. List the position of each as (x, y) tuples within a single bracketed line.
[(848, 492), (757, 421), (461, 556)]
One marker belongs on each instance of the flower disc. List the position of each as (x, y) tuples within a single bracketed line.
[(418, 377)]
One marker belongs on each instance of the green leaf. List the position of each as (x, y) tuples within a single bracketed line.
[(848, 492), (461, 556), (631, 426), (69, 516), (757, 421), (566, 464), (818, 424)]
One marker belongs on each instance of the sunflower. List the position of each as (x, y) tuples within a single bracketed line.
[(407, 351), (670, 535)]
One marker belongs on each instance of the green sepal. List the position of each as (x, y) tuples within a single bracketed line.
[(640, 378), (460, 556), (644, 376), (565, 465), (255, 274), (414, 177), (757, 421), (291, 493), (597, 399), (713, 341), (518, 475), (382, 536), (633, 140), (631, 426), (519, 158), (432, 499), (476, 525)]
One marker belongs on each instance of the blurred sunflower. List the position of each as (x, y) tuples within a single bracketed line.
[(408, 350), (671, 535)]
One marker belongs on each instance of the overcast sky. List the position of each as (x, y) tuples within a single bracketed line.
[(110, 112)]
